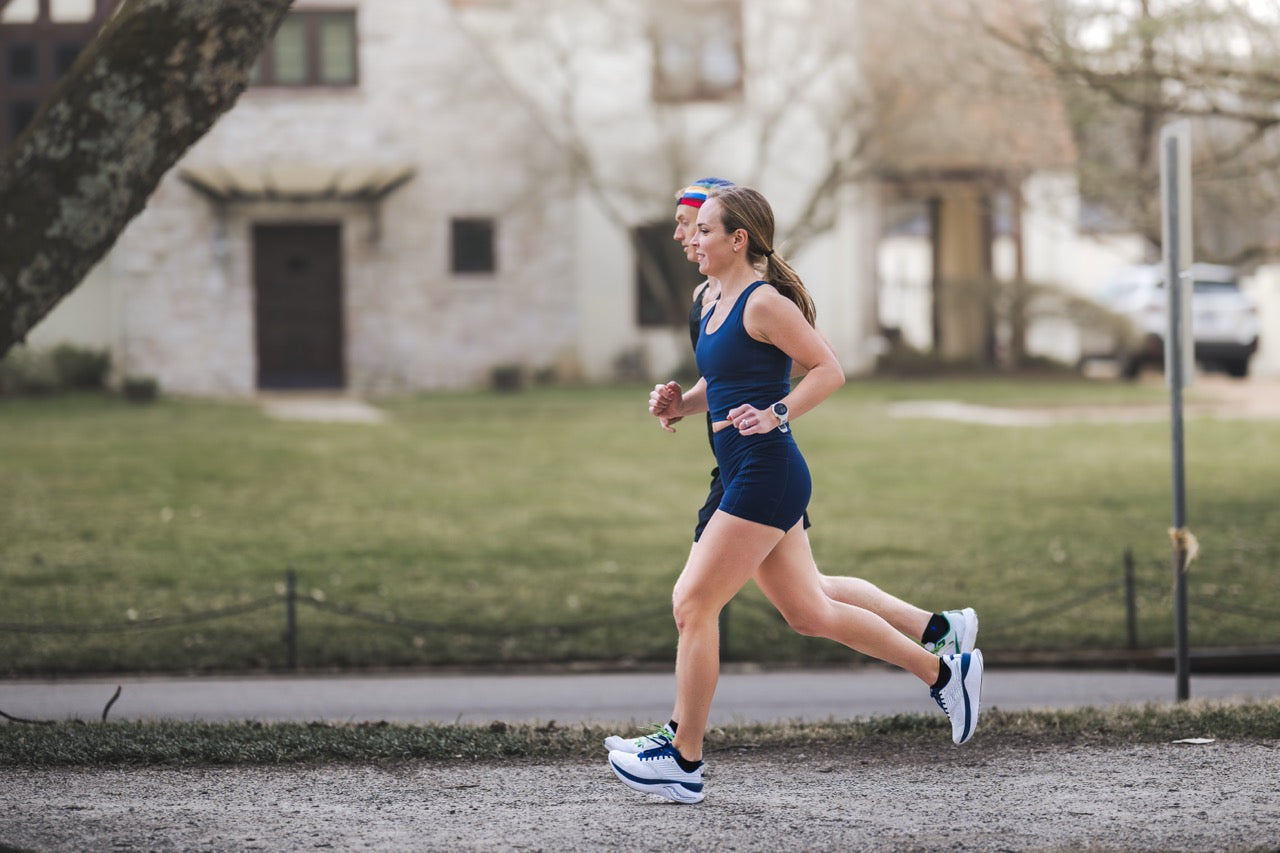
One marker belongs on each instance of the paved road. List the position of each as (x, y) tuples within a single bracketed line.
[(594, 698)]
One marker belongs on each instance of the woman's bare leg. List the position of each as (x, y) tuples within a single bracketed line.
[(906, 617), (790, 579), (677, 712), (727, 554)]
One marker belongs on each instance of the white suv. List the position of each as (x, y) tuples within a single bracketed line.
[(1224, 320)]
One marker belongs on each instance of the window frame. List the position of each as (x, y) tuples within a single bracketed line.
[(684, 26), (264, 70)]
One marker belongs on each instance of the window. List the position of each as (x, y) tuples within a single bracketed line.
[(337, 50), (311, 48), (64, 56), (20, 12), (697, 51), (71, 11), (22, 63), (39, 42), (664, 277), (473, 245)]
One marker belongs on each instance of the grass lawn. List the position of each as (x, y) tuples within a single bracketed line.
[(549, 525), (177, 744)]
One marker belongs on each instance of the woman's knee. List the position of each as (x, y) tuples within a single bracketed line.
[(807, 620), (688, 607)]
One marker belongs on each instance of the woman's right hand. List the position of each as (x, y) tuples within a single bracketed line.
[(664, 404)]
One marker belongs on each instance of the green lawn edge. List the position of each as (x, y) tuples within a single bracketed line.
[(188, 744)]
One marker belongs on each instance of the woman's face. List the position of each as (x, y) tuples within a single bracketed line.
[(712, 245), (686, 217)]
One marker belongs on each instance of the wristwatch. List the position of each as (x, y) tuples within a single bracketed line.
[(779, 410)]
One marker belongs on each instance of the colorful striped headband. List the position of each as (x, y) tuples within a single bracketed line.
[(696, 193)]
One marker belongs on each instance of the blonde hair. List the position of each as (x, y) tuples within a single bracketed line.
[(745, 208)]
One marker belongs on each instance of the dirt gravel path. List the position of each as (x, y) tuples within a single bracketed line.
[(985, 796)]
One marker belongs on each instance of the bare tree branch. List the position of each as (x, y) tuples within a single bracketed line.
[(1126, 70)]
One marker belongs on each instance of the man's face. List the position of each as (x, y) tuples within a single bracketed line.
[(686, 217)]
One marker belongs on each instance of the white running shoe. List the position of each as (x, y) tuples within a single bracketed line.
[(961, 696), (655, 771), (961, 636), (659, 737)]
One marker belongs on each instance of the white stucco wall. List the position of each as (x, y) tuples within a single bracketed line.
[(772, 138), (86, 317)]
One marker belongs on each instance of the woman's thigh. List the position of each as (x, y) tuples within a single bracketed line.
[(789, 577), (724, 559)]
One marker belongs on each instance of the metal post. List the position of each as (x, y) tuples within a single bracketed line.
[(1173, 252), (291, 620), (1130, 601)]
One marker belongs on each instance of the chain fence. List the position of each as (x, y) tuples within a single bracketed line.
[(1126, 587)]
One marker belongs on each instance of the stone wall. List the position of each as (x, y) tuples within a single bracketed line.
[(185, 265)]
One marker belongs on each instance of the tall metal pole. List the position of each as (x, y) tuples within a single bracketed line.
[(1174, 250), (291, 620)]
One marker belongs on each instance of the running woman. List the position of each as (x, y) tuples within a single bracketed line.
[(748, 341), (940, 633)]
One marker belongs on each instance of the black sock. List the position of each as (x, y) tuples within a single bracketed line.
[(944, 675), (937, 629), (673, 725), (685, 765)]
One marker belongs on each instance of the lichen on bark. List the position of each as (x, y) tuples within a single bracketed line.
[(154, 81)]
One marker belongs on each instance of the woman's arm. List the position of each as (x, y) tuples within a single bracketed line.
[(771, 318)]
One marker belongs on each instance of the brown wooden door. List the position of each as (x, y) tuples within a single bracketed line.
[(297, 271)]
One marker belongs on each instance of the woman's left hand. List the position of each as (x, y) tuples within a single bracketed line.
[(749, 420)]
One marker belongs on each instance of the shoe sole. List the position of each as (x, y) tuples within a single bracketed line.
[(971, 685), (676, 792)]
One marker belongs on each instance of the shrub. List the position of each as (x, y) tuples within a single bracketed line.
[(140, 389), (65, 367), (27, 371), (78, 368), (507, 377)]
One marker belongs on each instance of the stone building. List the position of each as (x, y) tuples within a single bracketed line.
[(421, 195)]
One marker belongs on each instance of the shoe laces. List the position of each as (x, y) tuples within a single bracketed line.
[(940, 694), (658, 734), (658, 752)]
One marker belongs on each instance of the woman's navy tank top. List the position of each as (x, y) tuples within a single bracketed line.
[(738, 368)]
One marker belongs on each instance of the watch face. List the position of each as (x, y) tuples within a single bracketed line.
[(780, 409)]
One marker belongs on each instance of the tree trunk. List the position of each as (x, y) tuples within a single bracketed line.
[(155, 80)]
